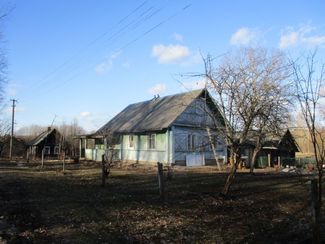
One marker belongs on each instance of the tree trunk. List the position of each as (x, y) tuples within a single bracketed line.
[(231, 158), (213, 147), (231, 175), (253, 160)]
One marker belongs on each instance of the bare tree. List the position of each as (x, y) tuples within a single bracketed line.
[(5, 10), (309, 81), (242, 87), (273, 119), (4, 123), (30, 131), (70, 131), (109, 141)]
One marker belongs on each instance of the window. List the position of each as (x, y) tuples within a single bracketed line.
[(47, 150), (131, 141), (56, 150), (191, 142), (152, 141)]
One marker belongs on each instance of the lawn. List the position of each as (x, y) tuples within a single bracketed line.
[(45, 205)]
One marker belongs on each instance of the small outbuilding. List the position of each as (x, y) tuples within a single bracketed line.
[(277, 150), (49, 143)]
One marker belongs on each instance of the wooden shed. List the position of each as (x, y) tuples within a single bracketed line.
[(49, 142)]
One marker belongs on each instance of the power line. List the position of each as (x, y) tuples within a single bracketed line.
[(134, 23), (155, 27), (12, 126), (98, 38), (184, 8)]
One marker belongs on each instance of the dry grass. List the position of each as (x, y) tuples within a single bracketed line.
[(41, 206)]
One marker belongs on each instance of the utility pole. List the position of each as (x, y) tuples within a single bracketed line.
[(12, 125)]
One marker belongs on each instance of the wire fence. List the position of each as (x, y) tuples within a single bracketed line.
[(301, 162)]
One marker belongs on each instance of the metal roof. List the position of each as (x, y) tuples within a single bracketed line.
[(152, 115)]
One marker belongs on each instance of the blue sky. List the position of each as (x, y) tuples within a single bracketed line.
[(87, 60)]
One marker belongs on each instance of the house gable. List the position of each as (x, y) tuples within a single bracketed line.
[(201, 113), (49, 141), (288, 142)]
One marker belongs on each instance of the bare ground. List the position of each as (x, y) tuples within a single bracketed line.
[(46, 206)]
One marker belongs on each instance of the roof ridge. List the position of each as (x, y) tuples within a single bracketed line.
[(171, 95), (151, 115)]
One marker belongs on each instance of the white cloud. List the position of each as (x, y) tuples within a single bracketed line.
[(243, 36), (170, 53), (289, 39), (85, 114), (301, 36), (107, 64), (178, 37), (315, 40), (157, 89), (194, 85)]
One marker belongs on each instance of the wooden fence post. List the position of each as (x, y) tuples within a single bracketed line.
[(27, 156), (315, 210), (161, 181), (169, 173), (43, 158), (63, 162), (104, 171)]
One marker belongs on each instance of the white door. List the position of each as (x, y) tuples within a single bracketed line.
[(195, 159)]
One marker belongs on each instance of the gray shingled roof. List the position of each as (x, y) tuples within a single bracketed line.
[(153, 115), (40, 138)]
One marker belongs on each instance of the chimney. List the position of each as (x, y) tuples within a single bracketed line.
[(49, 128)]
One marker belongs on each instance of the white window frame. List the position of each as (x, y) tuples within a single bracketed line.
[(47, 150), (56, 150), (151, 141), (131, 141), (191, 142)]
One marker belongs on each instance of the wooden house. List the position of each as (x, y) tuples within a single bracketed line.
[(176, 129), (49, 142), (276, 150)]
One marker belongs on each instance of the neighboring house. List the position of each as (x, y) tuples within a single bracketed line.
[(276, 150), (302, 137), (51, 141), (19, 147), (172, 130)]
